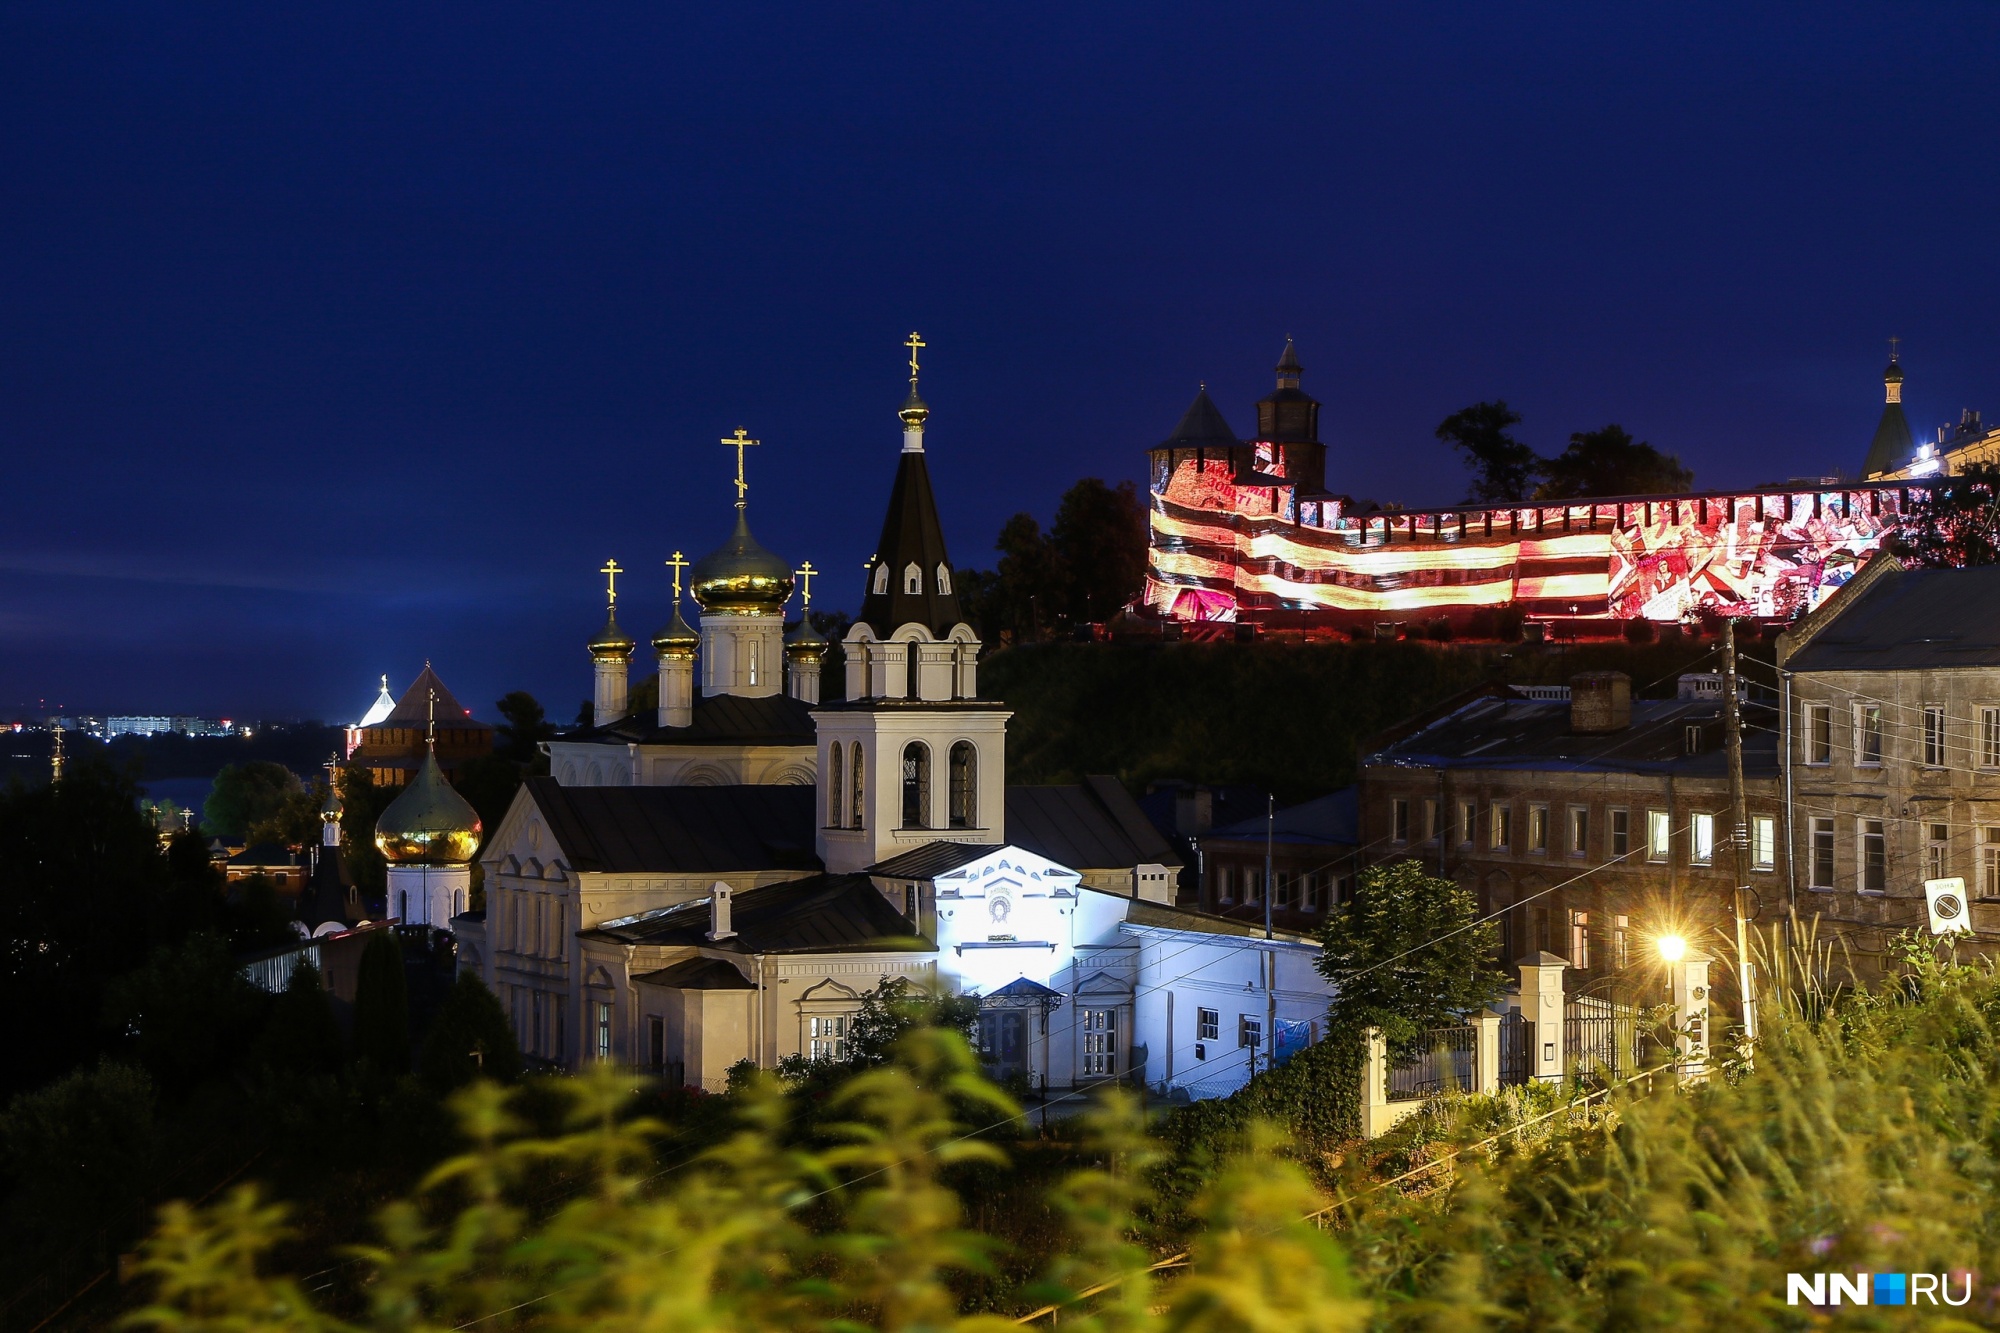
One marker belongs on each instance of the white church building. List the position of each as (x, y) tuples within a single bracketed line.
[(723, 876)]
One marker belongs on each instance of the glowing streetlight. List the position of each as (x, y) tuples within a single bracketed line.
[(1672, 948)]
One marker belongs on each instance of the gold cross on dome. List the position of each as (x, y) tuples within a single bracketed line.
[(611, 570), (913, 342), (740, 441), (805, 573), (677, 564), (431, 729)]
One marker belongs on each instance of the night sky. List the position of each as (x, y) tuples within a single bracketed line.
[(338, 337)]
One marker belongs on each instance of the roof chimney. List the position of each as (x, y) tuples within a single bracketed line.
[(1599, 702), (719, 927)]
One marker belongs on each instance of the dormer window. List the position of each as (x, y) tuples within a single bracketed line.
[(881, 578), (913, 579), (944, 579)]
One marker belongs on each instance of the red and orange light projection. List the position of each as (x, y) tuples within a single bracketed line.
[(1227, 547)]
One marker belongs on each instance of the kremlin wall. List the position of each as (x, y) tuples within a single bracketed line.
[(1246, 530)]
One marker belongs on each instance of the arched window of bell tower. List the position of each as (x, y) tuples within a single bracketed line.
[(964, 806), (916, 785)]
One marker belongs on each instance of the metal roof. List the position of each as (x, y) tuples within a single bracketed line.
[(1534, 734), (1334, 820), (821, 914), (680, 830), (1095, 825), (698, 974), (1910, 619)]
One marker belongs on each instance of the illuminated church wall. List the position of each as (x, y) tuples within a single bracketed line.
[(1223, 550)]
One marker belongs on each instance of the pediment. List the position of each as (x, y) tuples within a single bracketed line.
[(1012, 870), (1104, 983), (829, 990)]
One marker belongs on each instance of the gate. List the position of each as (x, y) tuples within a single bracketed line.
[(1444, 1060), (1517, 1049), (1599, 1036)]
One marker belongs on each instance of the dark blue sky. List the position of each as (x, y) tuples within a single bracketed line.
[(336, 337)]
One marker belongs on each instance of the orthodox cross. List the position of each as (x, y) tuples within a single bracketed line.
[(913, 342), (677, 564), (1892, 347), (431, 729), (806, 585), (611, 571), (739, 442)]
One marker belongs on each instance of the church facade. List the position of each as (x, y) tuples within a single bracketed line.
[(682, 899)]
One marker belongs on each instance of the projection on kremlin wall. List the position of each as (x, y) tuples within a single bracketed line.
[(1223, 551)]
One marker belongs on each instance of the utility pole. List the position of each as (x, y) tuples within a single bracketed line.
[(1270, 954), (1739, 839)]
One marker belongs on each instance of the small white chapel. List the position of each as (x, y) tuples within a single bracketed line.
[(723, 876)]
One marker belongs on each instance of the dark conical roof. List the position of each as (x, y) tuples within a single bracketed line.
[(1202, 427), (414, 709), (1288, 413), (1288, 362), (911, 535), (1893, 446)]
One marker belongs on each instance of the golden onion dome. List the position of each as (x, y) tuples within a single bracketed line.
[(677, 633), (428, 823), (914, 411), (612, 641), (740, 575)]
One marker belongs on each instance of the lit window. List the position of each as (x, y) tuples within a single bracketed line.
[(1100, 1042), (753, 661), (1821, 876), (1579, 830), (1763, 842), (827, 1038), (1868, 734), (1621, 942), (1620, 827), (1701, 840), (1579, 939), (1658, 831), (1538, 828), (1874, 857), (1933, 736), (1502, 825), (1819, 734)]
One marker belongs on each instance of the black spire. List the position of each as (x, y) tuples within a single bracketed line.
[(1288, 414), (917, 585), (1892, 447), (1202, 427)]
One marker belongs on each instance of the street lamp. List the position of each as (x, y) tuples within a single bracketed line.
[(1672, 948)]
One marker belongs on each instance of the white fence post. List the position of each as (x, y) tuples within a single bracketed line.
[(1542, 1004), (1485, 1052), (1691, 1016)]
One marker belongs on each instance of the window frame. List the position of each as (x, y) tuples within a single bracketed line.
[(1250, 1032), (1576, 831), (1763, 842), (1868, 743), (1818, 735), (1822, 850), (1207, 1024), (1871, 855), (1468, 823), (1701, 838), (1659, 836), (1989, 737), (1399, 820), (1937, 849), (1618, 831), (1538, 828), (1989, 863), (1935, 743), (1500, 826)]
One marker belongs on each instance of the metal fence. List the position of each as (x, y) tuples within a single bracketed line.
[(1443, 1060), (1517, 1049), (1601, 1037)]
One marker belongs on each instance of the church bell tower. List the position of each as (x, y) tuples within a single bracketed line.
[(913, 755)]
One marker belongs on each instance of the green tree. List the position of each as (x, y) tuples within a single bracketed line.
[(1098, 541), (246, 794), (382, 1006), (295, 823), (188, 1013), (1406, 953), (1502, 467), (470, 1038), (361, 804), (1028, 593), (1610, 462), (524, 728), (301, 1036), (1953, 524), (489, 782), (81, 1146)]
